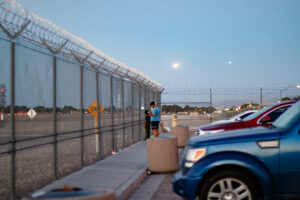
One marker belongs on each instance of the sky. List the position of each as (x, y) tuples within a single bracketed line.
[(216, 43)]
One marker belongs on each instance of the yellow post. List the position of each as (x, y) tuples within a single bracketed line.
[(93, 110), (174, 119), (96, 133)]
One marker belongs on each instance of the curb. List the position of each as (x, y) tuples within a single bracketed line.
[(131, 184)]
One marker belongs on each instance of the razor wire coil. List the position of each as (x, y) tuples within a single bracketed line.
[(16, 21)]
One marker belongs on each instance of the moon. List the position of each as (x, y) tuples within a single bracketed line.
[(175, 65), (229, 62)]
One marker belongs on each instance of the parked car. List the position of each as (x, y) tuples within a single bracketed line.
[(238, 117), (262, 117), (245, 164)]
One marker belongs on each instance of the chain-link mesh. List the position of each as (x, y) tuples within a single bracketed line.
[(53, 141), (118, 113), (136, 112), (5, 146), (54, 85), (105, 117), (147, 99), (33, 90), (4, 84), (34, 167), (67, 97), (142, 112), (16, 21), (90, 122), (5, 176), (68, 115), (128, 112)]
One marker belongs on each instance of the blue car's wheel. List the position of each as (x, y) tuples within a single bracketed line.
[(228, 185)]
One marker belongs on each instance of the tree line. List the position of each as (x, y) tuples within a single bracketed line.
[(40, 109), (288, 98), (65, 109), (187, 108)]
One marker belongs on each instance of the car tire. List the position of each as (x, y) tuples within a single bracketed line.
[(228, 185)]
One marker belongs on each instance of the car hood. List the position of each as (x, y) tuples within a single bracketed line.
[(257, 133), (223, 121), (221, 125)]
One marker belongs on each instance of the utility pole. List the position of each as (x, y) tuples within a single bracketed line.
[(280, 95), (2, 101), (210, 105), (261, 98)]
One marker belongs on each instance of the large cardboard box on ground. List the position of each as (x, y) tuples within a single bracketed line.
[(162, 154), (182, 134)]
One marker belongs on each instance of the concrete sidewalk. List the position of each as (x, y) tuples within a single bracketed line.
[(122, 173)]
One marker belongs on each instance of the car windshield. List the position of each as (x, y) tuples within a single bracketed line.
[(240, 116), (254, 115), (288, 118)]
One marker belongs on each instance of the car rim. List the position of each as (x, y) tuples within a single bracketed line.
[(229, 189)]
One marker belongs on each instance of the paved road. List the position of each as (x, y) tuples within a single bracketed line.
[(165, 191), (157, 186)]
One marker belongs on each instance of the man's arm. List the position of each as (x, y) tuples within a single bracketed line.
[(152, 114)]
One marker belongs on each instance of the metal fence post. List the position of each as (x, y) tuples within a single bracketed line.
[(159, 99), (12, 114), (98, 114), (139, 111), (81, 117), (132, 112), (54, 52), (112, 113), (159, 103), (54, 117), (146, 98), (123, 113), (153, 95), (81, 62), (12, 99)]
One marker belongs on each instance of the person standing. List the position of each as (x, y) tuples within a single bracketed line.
[(147, 124), (155, 113)]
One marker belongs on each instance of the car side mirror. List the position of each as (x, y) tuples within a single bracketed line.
[(238, 119), (265, 119)]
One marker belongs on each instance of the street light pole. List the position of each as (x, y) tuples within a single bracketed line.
[(280, 93)]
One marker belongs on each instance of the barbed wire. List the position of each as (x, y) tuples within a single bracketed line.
[(17, 21), (232, 91)]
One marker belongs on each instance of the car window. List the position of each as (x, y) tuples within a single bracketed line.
[(276, 113), (288, 118), (240, 115), (245, 115), (254, 115), (234, 117)]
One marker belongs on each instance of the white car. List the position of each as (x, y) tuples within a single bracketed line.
[(238, 117)]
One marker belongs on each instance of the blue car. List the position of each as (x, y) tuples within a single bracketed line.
[(246, 164)]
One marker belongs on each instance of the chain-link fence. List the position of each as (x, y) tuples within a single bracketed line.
[(64, 104)]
